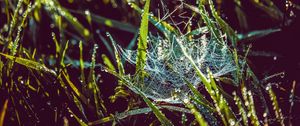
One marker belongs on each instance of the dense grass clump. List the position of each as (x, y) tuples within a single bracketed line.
[(152, 62)]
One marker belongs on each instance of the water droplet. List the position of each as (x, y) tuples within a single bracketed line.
[(21, 11), (75, 19), (249, 93), (96, 46), (151, 14), (48, 103), (234, 93), (186, 100), (62, 13), (246, 103), (107, 34), (265, 114), (87, 12), (52, 25), (282, 75), (231, 122), (248, 115), (268, 87), (51, 3)]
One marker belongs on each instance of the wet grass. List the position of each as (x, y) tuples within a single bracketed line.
[(76, 75)]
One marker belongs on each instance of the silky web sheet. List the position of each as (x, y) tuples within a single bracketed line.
[(167, 66)]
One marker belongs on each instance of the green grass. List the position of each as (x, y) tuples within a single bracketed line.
[(28, 77)]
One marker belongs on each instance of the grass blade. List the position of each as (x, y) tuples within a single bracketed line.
[(199, 96), (74, 88), (142, 43), (196, 113), (3, 111), (81, 63), (53, 6), (57, 46), (241, 16), (249, 103), (160, 116), (253, 35), (63, 53), (241, 109), (107, 62), (106, 44), (80, 121), (113, 23), (100, 107), (225, 27), (207, 20), (275, 104), (117, 55), (106, 21), (29, 63), (163, 26)]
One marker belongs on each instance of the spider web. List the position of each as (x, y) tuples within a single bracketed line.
[(167, 67)]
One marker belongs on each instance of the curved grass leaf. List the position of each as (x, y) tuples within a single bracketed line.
[(160, 116), (30, 64), (117, 55), (225, 27), (53, 6), (107, 62), (207, 20), (106, 43), (74, 88), (133, 112), (253, 35), (126, 81), (200, 98), (201, 121), (81, 122), (113, 23), (163, 26)]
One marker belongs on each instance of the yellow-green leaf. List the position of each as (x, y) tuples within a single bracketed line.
[(29, 63), (142, 43), (3, 111)]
